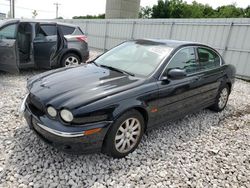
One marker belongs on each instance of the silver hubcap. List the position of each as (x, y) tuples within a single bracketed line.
[(127, 135), (71, 61), (223, 98)]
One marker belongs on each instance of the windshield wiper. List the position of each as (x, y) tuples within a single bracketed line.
[(118, 70)]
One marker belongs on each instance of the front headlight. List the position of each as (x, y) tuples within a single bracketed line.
[(66, 115), (51, 111)]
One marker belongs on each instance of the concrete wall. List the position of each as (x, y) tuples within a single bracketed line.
[(231, 37), (122, 8)]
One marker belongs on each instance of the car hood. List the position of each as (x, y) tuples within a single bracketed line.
[(77, 86)]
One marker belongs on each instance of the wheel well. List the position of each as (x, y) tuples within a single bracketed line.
[(144, 114)]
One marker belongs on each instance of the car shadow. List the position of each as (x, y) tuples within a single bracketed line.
[(30, 71), (30, 158)]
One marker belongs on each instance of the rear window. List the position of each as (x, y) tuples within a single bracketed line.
[(67, 30)]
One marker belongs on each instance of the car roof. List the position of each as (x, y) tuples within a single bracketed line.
[(9, 21), (169, 43)]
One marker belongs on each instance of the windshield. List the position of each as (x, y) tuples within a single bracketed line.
[(135, 57)]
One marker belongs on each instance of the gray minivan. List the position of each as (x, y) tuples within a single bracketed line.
[(40, 44)]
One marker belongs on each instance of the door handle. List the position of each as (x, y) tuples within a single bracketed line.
[(196, 78)]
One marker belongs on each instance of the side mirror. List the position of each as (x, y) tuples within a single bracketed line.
[(177, 73)]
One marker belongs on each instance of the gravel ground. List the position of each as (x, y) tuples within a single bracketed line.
[(204, 149)]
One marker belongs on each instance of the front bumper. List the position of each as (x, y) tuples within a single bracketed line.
[(70, 139)]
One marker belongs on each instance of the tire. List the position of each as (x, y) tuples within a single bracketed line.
[(70, 59), (221, 99), (118, 144)]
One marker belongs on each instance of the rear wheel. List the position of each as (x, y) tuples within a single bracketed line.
[(221, 99), (125, 134), (70, 59)]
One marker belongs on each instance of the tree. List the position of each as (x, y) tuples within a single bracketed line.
[(161, 10), (209, 12), (145, 12), (230, 11), (34, 14), (100, 16), (196, 10), (176, 9), (247, 12), (180, 9)]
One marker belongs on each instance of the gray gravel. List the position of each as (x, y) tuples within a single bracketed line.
[(204, 149)]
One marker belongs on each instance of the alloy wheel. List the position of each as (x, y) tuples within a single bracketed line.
[(127, 135), (223, 98), (71, 61)]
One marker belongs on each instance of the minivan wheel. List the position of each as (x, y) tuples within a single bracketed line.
[(221, 99), (124, 135), (70, 60)]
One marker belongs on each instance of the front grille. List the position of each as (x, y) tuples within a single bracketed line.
[(35, 105)]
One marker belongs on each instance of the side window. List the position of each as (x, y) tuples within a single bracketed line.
[(46, 30), (66, 30), (8, 32), (208, 59), (184, 59)]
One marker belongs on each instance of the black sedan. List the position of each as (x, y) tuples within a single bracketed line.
[(108, 104)]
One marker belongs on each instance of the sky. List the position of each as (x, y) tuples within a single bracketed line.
[(69, 8)]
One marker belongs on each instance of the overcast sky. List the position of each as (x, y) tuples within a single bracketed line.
[(70, 8)]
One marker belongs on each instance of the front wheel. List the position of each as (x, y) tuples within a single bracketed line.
[(70, 59), (125, 134), (221, 99)]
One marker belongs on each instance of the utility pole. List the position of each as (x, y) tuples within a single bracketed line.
[(57, 6), (13, 8), (11, 14)]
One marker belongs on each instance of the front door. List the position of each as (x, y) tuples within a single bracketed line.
[(179, 96), (8, 48), (45, 45)]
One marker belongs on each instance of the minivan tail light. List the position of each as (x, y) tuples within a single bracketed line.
[(82, 38)]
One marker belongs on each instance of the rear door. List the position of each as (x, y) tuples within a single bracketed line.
[(211, 73), (8, 48), (46, 45)]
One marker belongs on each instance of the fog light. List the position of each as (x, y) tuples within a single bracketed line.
[(51, 111), (66, 115)]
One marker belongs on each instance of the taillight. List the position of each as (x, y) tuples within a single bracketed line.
[(82, 38)]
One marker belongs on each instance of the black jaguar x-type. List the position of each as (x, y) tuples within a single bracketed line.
[(108, 104)]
